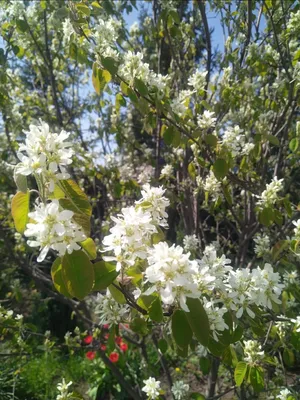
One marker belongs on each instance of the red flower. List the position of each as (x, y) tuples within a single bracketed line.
[(124, 346), (114, 357), (106, 336), (106, 326), (102, 347), (118, 340), (90, 355), (88, 339)]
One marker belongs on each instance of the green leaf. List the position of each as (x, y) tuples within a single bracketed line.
[(181, 329), (100, 77), (266, 216), (229, 356), (278, 248), (89, 246), (172, 136), (22, 25), (131, 94), (273, 139), (288, 207), (20, 209), (140, 86), (76, 196), (110, 64), (163, 345), (139, 325), (288, 357), (78, 274), (216, 348), (205, 365), (192, 170), (198, 320), (211, 140), (84, 9), (257, 378), (20, 180), (81, 219), (117, 294), (240, 372), (57, 278), (197, 396), (294, 144), (105, 274), (155, 310), (220, 168), (237, 334)]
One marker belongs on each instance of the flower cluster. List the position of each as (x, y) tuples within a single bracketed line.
[(47, 154), (191, 243), (259, 286), (180, 390), (131, 235), (133, 67), (171, 273), (210, 185), (253, 351), (270, 195), (297, 229), (151, 388), (181, 103), (53, 229), (110, 311), (207, 120), (166, 171), (198, 80), (262, 245), (63, 388), (235, 141)]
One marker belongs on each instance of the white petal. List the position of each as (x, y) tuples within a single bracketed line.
[(43, 254)]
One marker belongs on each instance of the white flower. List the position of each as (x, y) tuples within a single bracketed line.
[(156, 203), (262, 244), (198, 80), (47, 154), (63, 388), (259, 286), (215, 317), (283, 394), (68, 30), (270, 195), (253, 351), (166, 171), (180, 390), (207, 120), (151, 388), (171, 271), (211, 185), (181, 103), (297, 323), (110, 311), (191, 243), (201, 351), (282, 327), (297, 229), (130, 236), (133, 67), (53, 229), (290, 278), (235, 141), (106, 35)]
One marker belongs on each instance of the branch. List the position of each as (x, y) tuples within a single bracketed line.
[(208, 43), (249, 23)]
